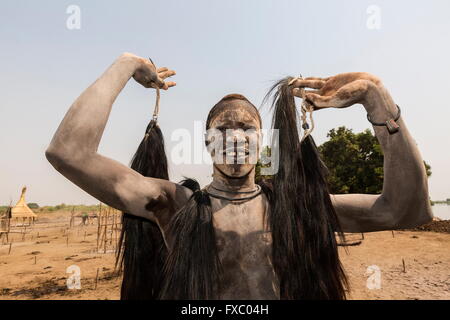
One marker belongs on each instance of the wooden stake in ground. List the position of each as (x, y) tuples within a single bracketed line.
[(404, 266), (99, 227), (71, 218), (96, 280), (106, 230), (34, 259), (98, 230), (9, 251), (393, 236), (116, 223)]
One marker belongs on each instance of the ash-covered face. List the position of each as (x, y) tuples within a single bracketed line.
[(234, 138)]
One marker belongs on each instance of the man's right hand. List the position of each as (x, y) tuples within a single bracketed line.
[(147, 75)]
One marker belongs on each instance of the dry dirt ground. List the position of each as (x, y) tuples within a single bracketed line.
[(411, 264)]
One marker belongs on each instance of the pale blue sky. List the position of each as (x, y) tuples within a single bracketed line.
[(216, 47)]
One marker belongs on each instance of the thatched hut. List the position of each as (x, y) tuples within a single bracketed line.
[(21, 212)]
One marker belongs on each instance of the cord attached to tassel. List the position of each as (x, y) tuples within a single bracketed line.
[(305, 108), (154, 121)]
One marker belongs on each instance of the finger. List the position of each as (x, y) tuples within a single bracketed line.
[(168, 85), (314, 84), (316, 78), (319, 101), (167, 74), (300, 92), (162, 69), (346, 96), (312, 91)]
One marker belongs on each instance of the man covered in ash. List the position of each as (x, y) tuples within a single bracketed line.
[(236, 239)]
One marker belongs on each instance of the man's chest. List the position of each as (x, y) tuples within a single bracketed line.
[(241, 231), (244, 246)]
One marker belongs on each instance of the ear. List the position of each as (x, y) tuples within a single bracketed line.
[(207, 140), (211, 151)]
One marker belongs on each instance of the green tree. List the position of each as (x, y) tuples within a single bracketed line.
[(266, 152), (355, 161)]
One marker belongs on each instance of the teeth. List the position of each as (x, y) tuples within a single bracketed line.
[(238, 153)]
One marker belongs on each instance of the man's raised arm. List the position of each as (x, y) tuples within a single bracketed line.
[(404, 202), (73, 149)]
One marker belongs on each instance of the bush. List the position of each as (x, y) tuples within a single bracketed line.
[(33, 205)]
